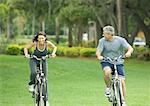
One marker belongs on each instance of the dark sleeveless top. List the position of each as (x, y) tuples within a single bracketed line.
[(38, 53)]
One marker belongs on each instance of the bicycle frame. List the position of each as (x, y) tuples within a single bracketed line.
[(116, 85), (40, 84)]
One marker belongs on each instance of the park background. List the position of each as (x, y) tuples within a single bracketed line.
[(75, 76)]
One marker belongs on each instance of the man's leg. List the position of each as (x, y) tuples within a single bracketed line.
[(107, 73), (120, 69), (123, 89)]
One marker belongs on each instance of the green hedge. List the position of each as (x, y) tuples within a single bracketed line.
[(13, 50), (87, 52), (61, 51), (72, 52), (139, 53)]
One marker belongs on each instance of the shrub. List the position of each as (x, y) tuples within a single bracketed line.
[(141, 53), (147, 56), (13, 50), (22, 50), (49, 51), (138, 51), (60, 51), (87, 52), (89, 44), (72, 52)]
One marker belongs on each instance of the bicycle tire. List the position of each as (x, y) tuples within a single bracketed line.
[(118, 94), (44, 92), (114, 101), (42, 98), (36, 94)]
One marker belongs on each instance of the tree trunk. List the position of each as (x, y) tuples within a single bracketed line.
[(43, 25), (99, 31), (79, 34), (95, 34), (10, 26), (49, 9), (0, 31), (119, 16), (133, 35), (124, 32), (57, 28), (33, 24), (33, 18), (70, 36)]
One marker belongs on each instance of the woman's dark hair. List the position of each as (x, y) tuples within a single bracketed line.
[(35, 39)]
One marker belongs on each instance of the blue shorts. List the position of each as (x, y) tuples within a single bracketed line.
[(120, 68)]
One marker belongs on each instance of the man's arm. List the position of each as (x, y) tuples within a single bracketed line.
[(129, 51), (127, 46), (99, 50), (99, 56)]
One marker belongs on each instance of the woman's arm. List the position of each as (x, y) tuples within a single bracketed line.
[(27, 47), (51, 45)]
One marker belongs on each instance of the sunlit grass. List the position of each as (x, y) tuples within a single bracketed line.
[(72, 82)]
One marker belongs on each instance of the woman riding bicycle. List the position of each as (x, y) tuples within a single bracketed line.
[(40, 45), (112, 46)]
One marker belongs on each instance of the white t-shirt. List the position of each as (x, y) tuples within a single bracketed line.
[(85, 37)]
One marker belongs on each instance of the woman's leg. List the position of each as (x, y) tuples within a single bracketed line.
[(33, 67)]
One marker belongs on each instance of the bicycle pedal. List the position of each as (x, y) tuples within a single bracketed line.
[(33, 95), (110, 99)]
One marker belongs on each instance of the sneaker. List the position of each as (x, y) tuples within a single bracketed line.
[(31, 88), (124, 104), (107, 92), (47, 103)]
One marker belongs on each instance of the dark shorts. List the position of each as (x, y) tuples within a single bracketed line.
[(120, 68)]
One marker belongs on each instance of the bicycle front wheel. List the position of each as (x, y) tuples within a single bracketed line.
[(118, 94), (36, 94), (42, 95)]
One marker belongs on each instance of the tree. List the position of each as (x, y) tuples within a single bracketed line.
[(139, 12), (75, 15), (3, 17), (10, 14)]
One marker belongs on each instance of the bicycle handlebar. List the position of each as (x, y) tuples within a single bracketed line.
[(42, 58), (114, 59)]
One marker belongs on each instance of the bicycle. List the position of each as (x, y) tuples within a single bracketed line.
[(40, 88), (116, 98)]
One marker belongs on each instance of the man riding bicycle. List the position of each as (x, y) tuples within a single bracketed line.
[(40, 45), (112, 46)]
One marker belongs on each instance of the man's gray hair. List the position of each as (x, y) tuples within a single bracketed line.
[(109, 29)]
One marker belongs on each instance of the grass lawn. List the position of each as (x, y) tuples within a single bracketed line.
[(72, 82)]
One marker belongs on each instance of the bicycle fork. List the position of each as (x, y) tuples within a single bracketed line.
[(118, 91)]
